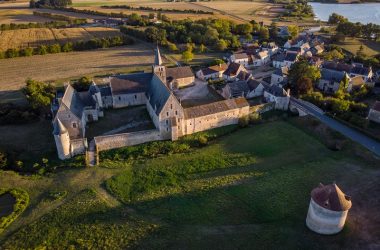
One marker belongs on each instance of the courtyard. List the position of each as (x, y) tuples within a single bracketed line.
[(123, 120)]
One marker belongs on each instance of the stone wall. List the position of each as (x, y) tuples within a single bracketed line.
[(78, 146), (126, 139), (120, 101)]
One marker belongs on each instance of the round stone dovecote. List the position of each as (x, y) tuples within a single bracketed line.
[(328, 209)]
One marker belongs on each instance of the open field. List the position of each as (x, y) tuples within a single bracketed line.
[(22, 38), (18, 12), (249, 188), (62, 66), (352, 45)]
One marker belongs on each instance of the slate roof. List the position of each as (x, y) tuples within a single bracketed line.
[(105, 91), (158, 94), (279, 57), (238, 88), (253, 84), (130, 83), (331, 197), (337, 66), (376, 106), (364, 71), (243, 75), (291, 57), (232, 69), (72, 101), (276, 91), (281, 72), (178, 72), (215, 107), (332, 75)]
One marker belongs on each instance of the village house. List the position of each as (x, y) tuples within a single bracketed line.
[(290, 59), (260, 59), (331, 80), (374, 112), (233, 71), (73, 110), (248, 89), (360, 70), (278, 96), (280, 77), (212, 73), (240, 58), (317, 50), (271, 47), (278, 60)]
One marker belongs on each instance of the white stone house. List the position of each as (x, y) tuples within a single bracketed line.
[(278, 61), (374, 113), (290, 59), (241, 58), (360, 70), (279, 77), (212, 73), (260, 59), (278, 96), (330, 81), (272, 48)]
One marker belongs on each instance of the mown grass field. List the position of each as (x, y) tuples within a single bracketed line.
[(34, 37), (352, 45), (249, 189)]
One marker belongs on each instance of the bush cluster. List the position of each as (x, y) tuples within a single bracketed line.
[(68, 47), (59, 17), (22, 201), (17, 26), (11, 114)]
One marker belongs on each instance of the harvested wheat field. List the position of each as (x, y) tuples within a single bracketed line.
[(33, 37), (53, 67), (18, 12)]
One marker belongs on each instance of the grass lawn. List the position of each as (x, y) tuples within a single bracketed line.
[(116, 120), (352, 45), (249, 189)]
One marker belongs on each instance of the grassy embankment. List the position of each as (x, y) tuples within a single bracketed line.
[(250, 188)]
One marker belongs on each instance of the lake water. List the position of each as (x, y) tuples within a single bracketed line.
[(363, 12)]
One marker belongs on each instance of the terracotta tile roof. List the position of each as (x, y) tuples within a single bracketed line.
[(241, 56), (214, 69), (215, 107), (331, 197)]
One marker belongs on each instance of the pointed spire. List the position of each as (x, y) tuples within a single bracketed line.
[(59, 128), (157, 57)]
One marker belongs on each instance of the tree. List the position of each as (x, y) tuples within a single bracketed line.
[(244, 29), (42, 50), (333, 55), (301, 70), (273, 30), (67, 47), (304, 86), (293, 31), (187, 56), (27, 51), (221, 45), (338, 37), (32, 4), (264, 33), (54, 48), (335, 18), (10, 53), (172, 47), (202, 48), (38, 94), (83, 84), (360, 53)]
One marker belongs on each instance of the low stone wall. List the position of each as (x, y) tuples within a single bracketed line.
[(78, 146), (126, 139)]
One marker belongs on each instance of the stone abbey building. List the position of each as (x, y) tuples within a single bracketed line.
[(73, 110)]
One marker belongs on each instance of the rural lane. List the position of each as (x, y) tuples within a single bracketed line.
[(365, 141)]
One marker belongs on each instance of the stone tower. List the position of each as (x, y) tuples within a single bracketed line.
[(62, 140), (328, 209), (158, 68)]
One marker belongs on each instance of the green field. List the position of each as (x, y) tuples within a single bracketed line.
[(249, 189)]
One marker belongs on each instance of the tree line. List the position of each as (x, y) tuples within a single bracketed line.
[(128, 7), (68, 47), (59, 17), (17, 26)]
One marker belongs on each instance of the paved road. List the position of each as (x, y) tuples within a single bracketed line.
[(353, 134)]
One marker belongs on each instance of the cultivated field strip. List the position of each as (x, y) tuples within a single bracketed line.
[(36, 36)]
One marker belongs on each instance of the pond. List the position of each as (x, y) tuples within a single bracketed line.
[(364, 12), (7, 202)]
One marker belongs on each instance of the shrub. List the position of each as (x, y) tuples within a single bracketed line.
[(243, 121), (42, 50), (27, 51), (254, 118), (3, 160), (56, 195), (54, 48), (10, 53), (202, 140), (22, 201)]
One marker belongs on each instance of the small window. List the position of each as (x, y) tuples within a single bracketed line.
[(176, 112), (68, 116), (167, 122), (135, 96), (167, 113), (74, 125), (171, 106), (167, 129), (119, 98)]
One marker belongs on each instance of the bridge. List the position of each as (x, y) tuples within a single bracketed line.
[(302, 107)]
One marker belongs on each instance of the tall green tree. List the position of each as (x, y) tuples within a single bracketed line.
[(187, 56), (38, 94)]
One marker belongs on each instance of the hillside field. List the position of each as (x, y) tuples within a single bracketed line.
[(249, 188), (22, 38)]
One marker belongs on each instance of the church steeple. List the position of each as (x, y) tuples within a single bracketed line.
[(157, 57)]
